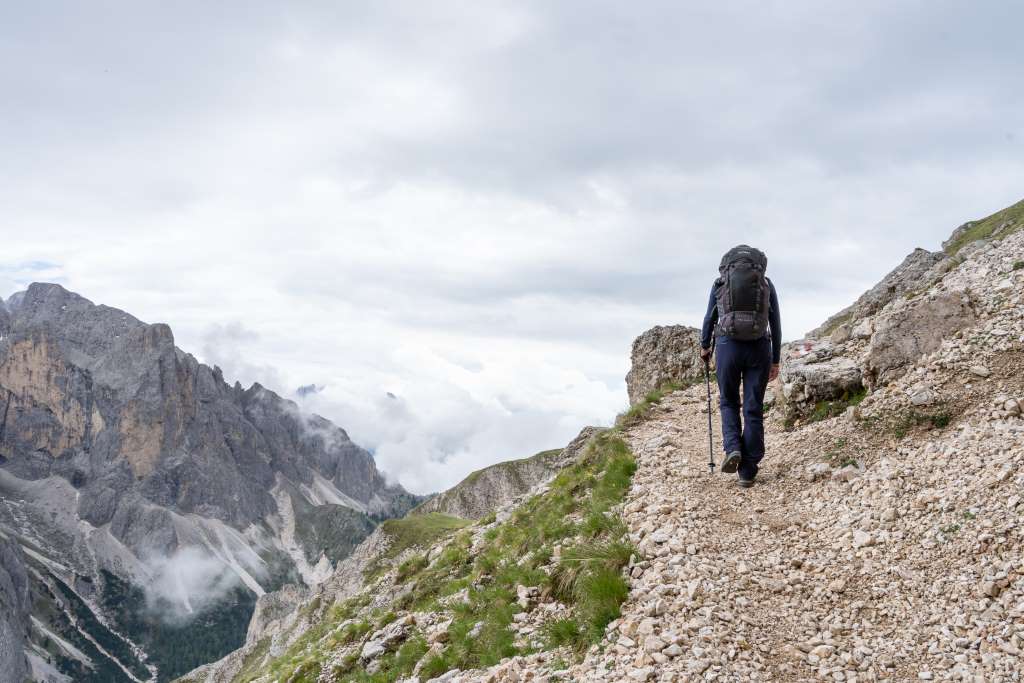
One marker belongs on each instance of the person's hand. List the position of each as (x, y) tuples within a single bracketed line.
[(774, 372), (705, 355)]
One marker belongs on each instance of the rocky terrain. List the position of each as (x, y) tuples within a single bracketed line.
[(136, 481), (881, 542)]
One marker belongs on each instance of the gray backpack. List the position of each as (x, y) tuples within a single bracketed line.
[(744, 294)]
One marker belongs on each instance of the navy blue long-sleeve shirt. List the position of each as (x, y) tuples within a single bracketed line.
[(774, 321)]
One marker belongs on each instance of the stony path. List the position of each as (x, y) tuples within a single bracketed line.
[(808, 578)]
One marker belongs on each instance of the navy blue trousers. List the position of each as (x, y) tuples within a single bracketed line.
[(747, 363)]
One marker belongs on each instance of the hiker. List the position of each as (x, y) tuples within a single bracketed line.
[(743, 316)]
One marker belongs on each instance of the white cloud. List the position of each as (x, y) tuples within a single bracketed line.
[(478, 207)]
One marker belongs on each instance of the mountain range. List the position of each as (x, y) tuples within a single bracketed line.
[(144, 500)]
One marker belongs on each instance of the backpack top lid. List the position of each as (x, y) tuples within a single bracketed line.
[(743, 253)]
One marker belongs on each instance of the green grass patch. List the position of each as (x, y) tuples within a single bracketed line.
[(641, 409), (253, 660), (562, 632), (410, 567), (419, 530), (304, 659), (823, 410), (835, 454), (478, 591), (590, 576), (909, 419), (986, 227)]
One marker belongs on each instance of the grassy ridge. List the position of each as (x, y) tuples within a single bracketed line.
[(474, 584), (986, 227)]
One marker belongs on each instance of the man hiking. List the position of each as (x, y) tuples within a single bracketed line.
[(743, 316)]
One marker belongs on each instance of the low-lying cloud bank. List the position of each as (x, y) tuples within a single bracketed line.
[(187, 583)]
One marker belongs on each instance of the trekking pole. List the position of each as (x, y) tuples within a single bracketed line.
[(711, 441)]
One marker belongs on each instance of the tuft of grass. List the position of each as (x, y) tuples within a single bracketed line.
[(836, 453), (824, 410), (561, 632), (1018, 265), (968, 515), (590, 576), (600, 595), (1012, 217), (559, 664), (909, 419), (410, 567)]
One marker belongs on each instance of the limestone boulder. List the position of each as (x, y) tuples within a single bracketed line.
[(813, 371), (906, 332)]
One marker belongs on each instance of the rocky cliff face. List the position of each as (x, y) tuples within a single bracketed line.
[(124, 462), (906, 316), (14, 611)]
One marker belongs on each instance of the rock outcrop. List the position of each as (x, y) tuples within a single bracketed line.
[(903, 317), (919, 270), (811, 372), (912, 329), (663, 355)]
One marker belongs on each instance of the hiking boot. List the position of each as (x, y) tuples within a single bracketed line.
[(744, 482), (731, 462)]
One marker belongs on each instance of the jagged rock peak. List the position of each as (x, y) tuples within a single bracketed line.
[(918, 271)]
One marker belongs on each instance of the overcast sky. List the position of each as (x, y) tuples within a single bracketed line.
[(476, 206)]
